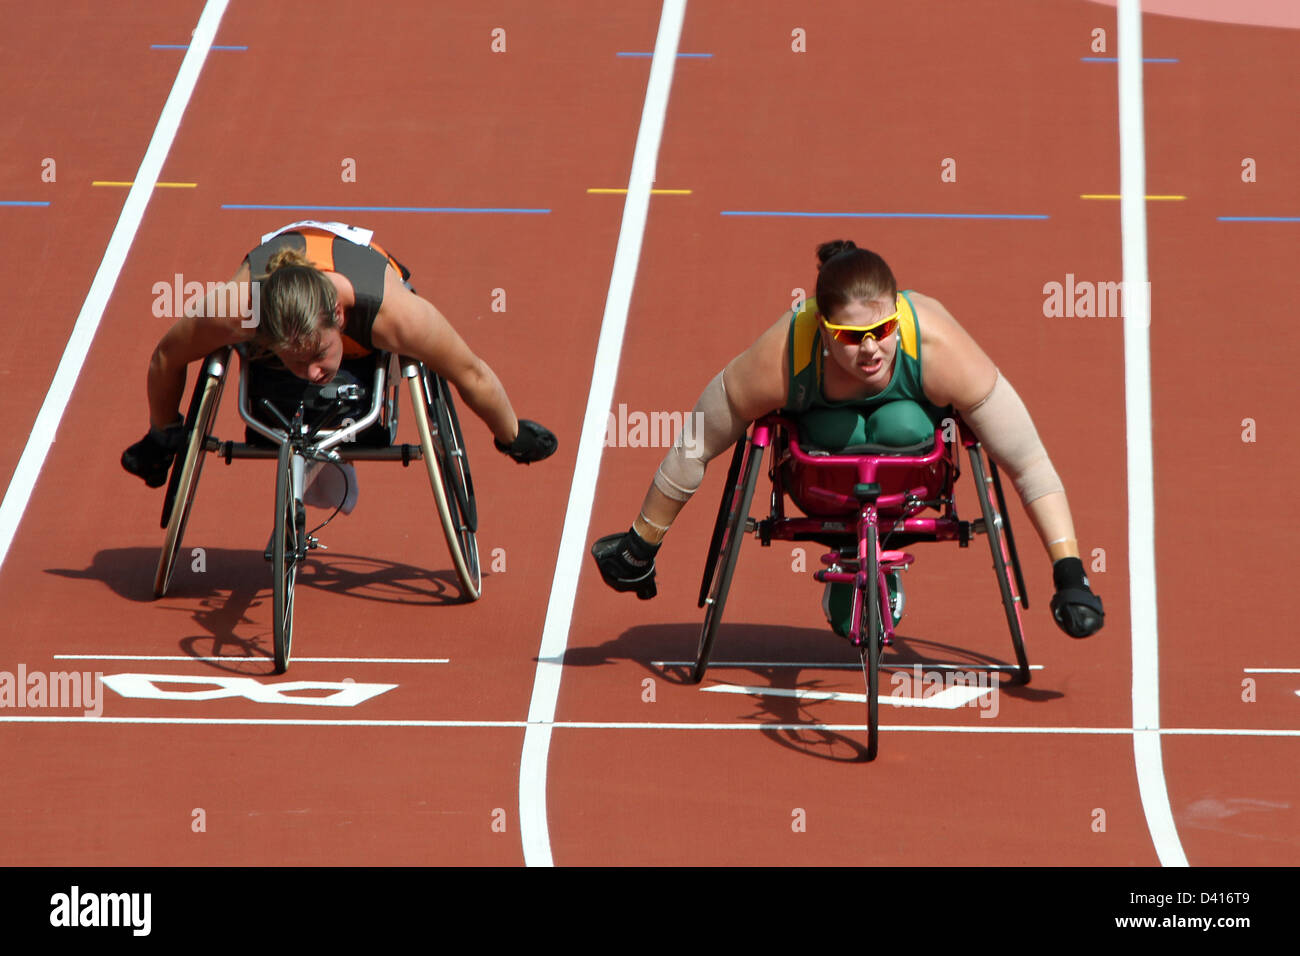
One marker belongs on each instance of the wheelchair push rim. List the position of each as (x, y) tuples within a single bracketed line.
[(182, 485), (442, 448), (736, 501), (1004, 566)]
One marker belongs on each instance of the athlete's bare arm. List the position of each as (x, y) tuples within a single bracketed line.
[(410, 325), (756, 382), (957, 372), (219, 322)]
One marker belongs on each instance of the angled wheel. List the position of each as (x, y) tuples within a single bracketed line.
[(1003, 565), (870, 639), (288, 546), (1012, 553), (178, 500), (720, 523), (722, 558), (443, 448)]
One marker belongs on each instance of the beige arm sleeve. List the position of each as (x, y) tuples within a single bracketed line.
[(712, 428), (1002, 424)]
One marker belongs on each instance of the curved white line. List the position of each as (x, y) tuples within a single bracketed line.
[(533, 828), (1141, 481)]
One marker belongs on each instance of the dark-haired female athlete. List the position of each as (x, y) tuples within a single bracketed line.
[(898, 364), (326, 293)]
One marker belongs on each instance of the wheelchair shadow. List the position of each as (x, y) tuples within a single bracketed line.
[(220, 590), (667, 651), (783, 659), (907, 652)]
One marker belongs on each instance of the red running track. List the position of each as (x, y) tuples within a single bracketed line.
[(861, 121)]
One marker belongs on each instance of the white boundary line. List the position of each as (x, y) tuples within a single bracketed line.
[(47, 421), (1137, 407), (983, 727), (534, 829)]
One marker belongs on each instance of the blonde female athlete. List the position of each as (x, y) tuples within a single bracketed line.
[(898, 364), (326, 293)]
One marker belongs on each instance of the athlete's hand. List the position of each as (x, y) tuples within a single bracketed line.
[(532, 443), (627, 563), (1077, 610), (151, 457)]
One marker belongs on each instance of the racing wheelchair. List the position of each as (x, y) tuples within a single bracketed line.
[(855, 503), (330, 424)]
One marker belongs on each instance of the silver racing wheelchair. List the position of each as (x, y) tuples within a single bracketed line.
[(330, 424)]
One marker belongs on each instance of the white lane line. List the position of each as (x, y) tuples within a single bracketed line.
[(534, 829), (252, 660), (47, 421), (984, 727), (950, 698), (1271, 670), (1137, 407)]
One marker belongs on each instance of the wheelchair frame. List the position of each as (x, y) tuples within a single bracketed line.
[(441, 447), (859, 503)]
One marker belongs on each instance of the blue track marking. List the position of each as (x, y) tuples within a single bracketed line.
[(21, 202), (418, 209), (1115, 59), (1259, 218), (882, 215)]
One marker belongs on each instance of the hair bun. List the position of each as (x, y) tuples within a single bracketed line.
[(284, 257), (829, 250)]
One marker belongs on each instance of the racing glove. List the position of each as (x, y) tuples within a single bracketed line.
[(151, 457), (627, 563), (1077, 610), (533, 443)]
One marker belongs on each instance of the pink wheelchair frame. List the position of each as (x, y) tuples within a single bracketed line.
[(847, 500)]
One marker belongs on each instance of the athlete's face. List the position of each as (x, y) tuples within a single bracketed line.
[(319, 362), (869, 361)]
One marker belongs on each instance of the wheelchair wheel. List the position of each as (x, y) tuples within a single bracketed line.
[(870, 638), (1011, 538), (722, 558), (720, 523), (443, 448), (288, 545), (1003, 566), (178, 500)]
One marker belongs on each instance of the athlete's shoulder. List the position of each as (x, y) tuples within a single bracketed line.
[(936, 323)]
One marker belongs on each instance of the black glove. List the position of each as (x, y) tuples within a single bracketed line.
[(533, 443), (151, 457), (627, 563), (1076, 609)]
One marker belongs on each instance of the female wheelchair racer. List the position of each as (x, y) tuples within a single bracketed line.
[(855, 322), (325, 292)]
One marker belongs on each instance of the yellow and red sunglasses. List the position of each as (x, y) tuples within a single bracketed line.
[(854, 334)]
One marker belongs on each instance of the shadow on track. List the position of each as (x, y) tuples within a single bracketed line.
[(784, 659), (219, 589)]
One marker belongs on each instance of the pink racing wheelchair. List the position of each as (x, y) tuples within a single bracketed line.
[(850, 502)]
